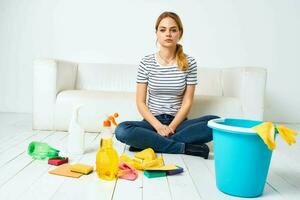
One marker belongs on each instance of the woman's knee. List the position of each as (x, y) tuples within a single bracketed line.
[(121, 131), (210, 117), (210, 132)]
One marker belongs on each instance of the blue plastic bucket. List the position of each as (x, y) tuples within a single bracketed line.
[(242, 159)]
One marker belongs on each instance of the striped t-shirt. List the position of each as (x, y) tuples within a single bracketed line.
[(166, 84)]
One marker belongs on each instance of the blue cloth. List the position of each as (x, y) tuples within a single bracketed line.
[(141, 134)]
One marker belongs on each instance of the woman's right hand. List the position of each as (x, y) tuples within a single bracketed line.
[(164, 130)]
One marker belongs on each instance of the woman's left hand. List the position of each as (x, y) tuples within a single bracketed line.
[(165, 130), (172, 130)]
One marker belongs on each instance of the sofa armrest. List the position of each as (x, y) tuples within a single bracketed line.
[(248, 84), (49, 78)]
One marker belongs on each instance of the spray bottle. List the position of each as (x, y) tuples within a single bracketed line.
[(107, 159), (112, 119), (76, 135)]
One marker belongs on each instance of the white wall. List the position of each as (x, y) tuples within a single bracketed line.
[(218, 33)]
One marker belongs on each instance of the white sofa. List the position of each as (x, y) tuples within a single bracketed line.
[(58, 86)]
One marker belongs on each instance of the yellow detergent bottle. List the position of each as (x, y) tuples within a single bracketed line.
[(107, 159)]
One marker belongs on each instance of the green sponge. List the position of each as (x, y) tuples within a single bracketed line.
[(154, 174)]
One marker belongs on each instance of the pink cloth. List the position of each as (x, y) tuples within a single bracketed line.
[(127, 172)]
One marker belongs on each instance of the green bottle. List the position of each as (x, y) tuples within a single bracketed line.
[(41, 151)]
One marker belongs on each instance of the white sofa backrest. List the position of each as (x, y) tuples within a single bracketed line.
[(209, 81), (110, 77), (122, 77)]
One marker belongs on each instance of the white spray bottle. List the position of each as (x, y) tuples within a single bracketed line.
[(76, 134)]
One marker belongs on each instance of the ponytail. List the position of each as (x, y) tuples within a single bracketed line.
[(181, 59)]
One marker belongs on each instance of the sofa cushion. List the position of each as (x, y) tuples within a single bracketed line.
[(95, 105)]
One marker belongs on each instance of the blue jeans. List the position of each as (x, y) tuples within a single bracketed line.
[(141, 134)]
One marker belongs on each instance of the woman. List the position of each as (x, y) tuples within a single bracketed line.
[(170, 77)]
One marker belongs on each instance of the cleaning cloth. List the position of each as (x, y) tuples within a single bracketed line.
[(64, 170), (127, 172), (162, 168)]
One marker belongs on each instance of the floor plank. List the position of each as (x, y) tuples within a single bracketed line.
[(16, 159), (203, 178), (181, 185), (157, 186), (47, 185), (31, 172), (132, 190)]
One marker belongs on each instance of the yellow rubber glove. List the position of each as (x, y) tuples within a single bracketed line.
[(132, 162), (143, 159), (158, 162), (287, 134), (146, 154), (266, 131)]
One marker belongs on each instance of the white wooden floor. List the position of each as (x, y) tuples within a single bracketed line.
[(24, 178)]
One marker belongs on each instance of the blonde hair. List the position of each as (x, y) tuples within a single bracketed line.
[(180, 56)]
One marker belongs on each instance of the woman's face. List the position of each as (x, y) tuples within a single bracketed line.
[(168, 33)]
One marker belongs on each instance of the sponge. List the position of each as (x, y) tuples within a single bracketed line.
[(154, 174), (58, 160), (64, 170), (82, 168), (175, 171)]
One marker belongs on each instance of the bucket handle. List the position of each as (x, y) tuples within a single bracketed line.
[(215, 123)]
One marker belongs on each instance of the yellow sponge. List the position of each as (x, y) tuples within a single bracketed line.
[(82, 168)]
